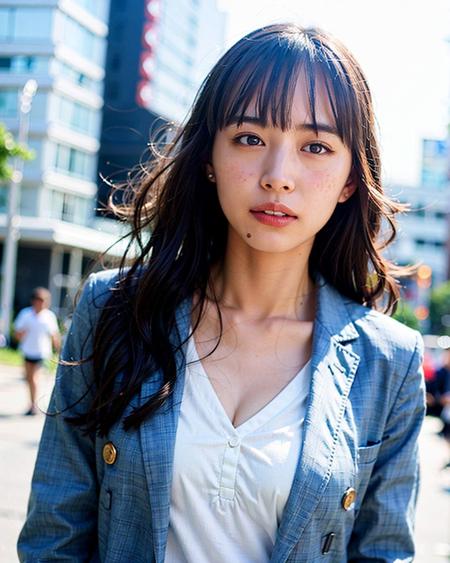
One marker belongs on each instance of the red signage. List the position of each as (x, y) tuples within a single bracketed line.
[(147, 59)]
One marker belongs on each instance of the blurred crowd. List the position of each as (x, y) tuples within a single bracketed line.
[(437, 378)]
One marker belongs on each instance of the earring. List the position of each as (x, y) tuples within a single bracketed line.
[(211, 176)]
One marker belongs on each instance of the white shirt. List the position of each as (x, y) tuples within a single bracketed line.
[(38, 327), (230, 485)]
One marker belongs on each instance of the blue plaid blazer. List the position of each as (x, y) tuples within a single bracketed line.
[(366, 406)]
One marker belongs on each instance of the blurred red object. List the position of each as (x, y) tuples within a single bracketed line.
[(428, 367)]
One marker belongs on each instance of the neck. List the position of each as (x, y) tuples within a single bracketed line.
[(263, 285)]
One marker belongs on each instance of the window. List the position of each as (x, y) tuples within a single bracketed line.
[(5, 63), (68, 207), (78, 116), (6, 15), (77, 77), (25, 24), (74, 162), (23, 64), (56, 199), (81, 40), (8, 103), (32, 23)]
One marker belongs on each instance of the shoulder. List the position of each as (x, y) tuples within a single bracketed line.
[(96, 292), (49, 315), (100, 284), (383, 336), (24, 312), (24, 316), (390, 360)]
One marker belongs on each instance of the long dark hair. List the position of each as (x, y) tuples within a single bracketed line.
[(179, 231)]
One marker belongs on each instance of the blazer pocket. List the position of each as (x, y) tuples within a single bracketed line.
[(368, 454)]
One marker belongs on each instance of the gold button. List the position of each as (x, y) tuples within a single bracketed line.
[(348, 498), (109, 453)]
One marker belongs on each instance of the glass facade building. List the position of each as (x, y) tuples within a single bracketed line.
[(62, 45), (109, 72)]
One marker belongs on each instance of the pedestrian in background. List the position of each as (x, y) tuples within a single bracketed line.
[(36, 329), (231, 393), (442, 397)]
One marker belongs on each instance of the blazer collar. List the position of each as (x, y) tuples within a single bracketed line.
[(332, 312)]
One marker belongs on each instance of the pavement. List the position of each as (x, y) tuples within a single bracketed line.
[(19, 438)]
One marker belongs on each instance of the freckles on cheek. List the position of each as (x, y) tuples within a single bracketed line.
[(241, 176), (234, 173), (328, 183)]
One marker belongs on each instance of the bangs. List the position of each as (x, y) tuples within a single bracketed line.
[(264, 75)]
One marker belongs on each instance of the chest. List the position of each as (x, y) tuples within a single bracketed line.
[(37, 324), (251, 364)]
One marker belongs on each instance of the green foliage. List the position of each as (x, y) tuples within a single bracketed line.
[(10, 357), (405, 315), (8, 150), (440, 307)]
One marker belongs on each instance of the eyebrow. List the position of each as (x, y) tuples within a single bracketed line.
[(319, 127)]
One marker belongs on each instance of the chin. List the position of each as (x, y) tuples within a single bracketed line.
[(261, 244)]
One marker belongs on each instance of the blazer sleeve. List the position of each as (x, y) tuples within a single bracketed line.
[(384, 525), (62, 511)]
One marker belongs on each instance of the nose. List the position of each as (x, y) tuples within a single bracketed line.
[(277, 174)]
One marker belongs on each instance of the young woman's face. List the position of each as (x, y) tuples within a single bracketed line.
[(257, 169)]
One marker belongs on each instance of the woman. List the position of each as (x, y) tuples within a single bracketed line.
[(294, 436)]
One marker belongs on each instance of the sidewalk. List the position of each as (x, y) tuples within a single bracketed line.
[(19, 437)]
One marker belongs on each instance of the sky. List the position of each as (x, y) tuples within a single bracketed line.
[(404, 49)]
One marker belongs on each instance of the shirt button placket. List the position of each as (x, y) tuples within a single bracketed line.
[(229, 467)]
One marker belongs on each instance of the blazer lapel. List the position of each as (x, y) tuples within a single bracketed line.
[(333, 369), (158, 439)]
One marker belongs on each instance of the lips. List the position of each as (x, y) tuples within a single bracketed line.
[(273, 214), (274, 207)]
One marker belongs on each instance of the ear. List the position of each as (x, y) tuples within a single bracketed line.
[(348, 190), (210, 172)]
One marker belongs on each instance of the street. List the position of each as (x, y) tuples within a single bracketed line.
[(19, 436)]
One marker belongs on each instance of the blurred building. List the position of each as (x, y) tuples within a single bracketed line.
[(423, 232), (62, 45), (158, 54)]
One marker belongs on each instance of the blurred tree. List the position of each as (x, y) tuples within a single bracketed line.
[(405, 315), (8, 150), (440, 309)]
